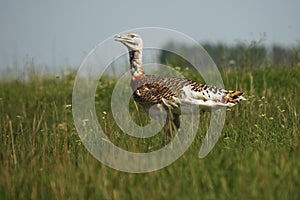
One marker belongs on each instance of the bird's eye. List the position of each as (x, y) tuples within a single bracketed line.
[(132, 36)]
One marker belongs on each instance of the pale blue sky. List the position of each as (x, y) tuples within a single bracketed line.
[(61, 32)]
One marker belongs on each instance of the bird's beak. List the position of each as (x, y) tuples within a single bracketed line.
[(119, 38)]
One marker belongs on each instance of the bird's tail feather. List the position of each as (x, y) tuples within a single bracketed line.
[(234, 97)]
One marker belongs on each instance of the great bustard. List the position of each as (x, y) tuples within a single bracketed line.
[(170, 92)]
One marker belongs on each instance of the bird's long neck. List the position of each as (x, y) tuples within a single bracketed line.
[(137, 71)]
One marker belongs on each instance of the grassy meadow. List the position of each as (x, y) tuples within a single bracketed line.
[(257, 156)]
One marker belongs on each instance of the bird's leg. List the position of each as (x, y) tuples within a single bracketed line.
[(176, 121), (172, 123), (168, 126), (168, 129)]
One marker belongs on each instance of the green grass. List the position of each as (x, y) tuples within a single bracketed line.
[(257, 156)]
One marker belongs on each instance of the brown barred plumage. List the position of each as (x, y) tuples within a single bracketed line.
[(170, 92)]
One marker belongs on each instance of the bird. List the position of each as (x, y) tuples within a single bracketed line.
[(171, 92)]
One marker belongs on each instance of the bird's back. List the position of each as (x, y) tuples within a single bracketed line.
[(173, 91)]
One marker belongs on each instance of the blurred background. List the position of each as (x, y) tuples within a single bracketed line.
[(55, 36)]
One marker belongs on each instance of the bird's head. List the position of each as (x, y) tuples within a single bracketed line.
[(132, 41)]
